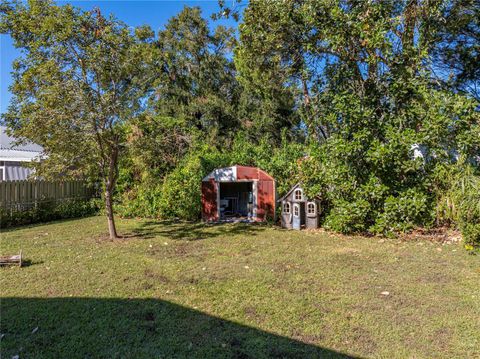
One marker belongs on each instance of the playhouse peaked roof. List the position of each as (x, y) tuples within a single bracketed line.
[(291, 190)]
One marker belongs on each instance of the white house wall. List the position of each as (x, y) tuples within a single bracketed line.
[(15, 172)]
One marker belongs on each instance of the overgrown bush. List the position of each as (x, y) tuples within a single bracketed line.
[(348, 216), (181, 190), (471, 234), (142, 200), (458, 200), (466, 196), (49, 211), (365, 194), (403, 212), (178, 194)]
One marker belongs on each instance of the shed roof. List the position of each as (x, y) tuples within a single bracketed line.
[(10, 151), (237, 173)]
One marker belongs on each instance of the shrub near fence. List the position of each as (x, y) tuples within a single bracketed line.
[(23, 202)]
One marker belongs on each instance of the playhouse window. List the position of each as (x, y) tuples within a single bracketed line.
[(295, 211), (286, 208), (297, 194), (311, 208)]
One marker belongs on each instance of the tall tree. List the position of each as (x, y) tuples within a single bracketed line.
[(456, 54), (195, 79), (360, 74), (80, 79), (197, 84), (300, 44), (352, 66), (193, 99)]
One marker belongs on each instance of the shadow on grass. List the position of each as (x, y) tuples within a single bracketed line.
[(135, 328), (28, 262), (192, 231)]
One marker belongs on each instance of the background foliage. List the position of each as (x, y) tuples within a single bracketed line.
[(48, 211), (372, 105)]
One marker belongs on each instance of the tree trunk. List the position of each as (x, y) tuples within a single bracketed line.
[(112, 230), (312, 129), (110, 180)]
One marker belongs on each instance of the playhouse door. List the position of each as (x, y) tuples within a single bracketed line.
[(296, 222)]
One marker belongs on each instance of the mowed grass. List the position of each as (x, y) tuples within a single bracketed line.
[(233, 291)]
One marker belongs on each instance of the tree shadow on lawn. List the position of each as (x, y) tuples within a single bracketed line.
[(192, 231), (135, 328)]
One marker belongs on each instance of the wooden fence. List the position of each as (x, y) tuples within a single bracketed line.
[(19, 195)]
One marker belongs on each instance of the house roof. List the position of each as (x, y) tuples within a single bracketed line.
[(10, 151)]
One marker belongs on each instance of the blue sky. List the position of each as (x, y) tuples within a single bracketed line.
[(134, 13)]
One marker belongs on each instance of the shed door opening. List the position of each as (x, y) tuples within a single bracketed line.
[(236, 199)]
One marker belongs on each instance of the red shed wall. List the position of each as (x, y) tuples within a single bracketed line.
[(266, 199), (247, 173), (209, 200)]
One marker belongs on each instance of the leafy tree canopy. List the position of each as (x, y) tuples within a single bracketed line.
[(81, 78)]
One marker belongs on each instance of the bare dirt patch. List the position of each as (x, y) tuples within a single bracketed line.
[(105, 237), (442, 235), (346, 250), (252, 313), (156, 276)]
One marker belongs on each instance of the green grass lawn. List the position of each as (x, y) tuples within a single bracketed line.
[(189, 290)]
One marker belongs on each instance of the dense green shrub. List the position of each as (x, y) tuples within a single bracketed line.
[(403, 212), (471, 234), (142, 200), (178, 193), (181, 190), (458, 200), (348, 216), (49, 211), (380, 193), (466, 196)]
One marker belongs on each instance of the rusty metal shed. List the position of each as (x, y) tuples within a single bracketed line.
[(238, 192)]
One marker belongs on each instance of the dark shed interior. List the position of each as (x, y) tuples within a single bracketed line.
[(236, 199)]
